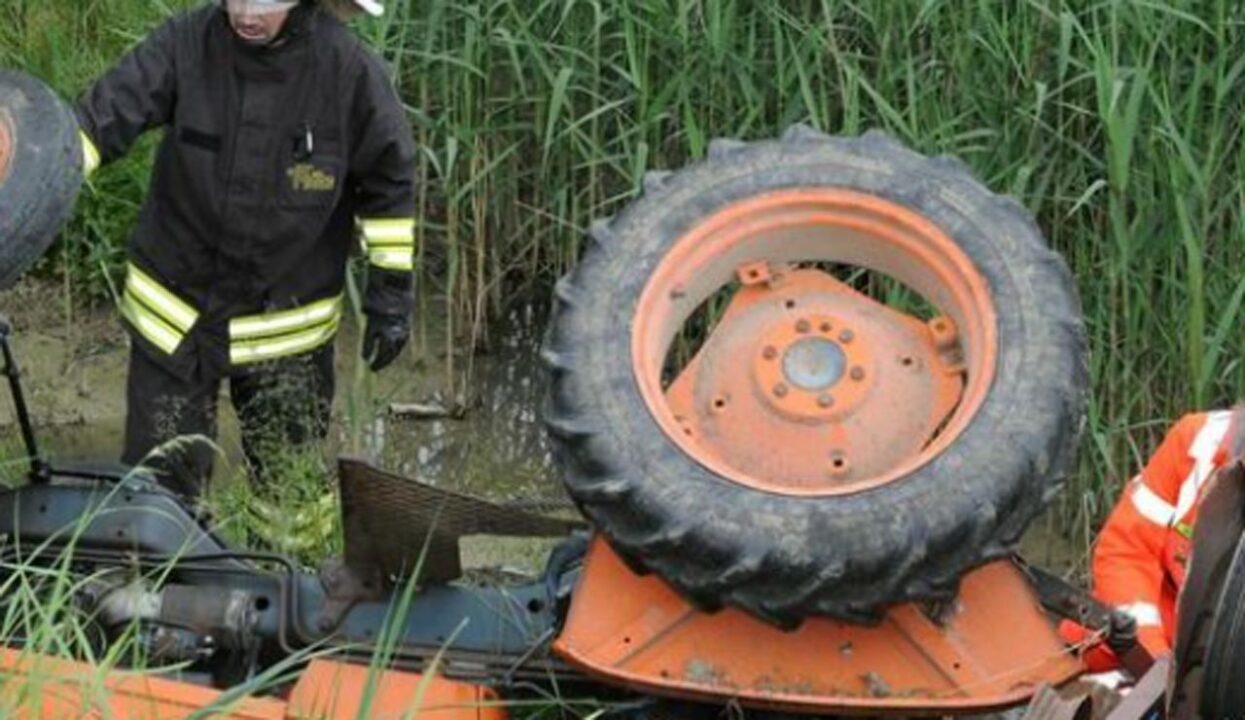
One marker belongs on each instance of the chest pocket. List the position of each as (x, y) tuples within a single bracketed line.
[(311, 170)]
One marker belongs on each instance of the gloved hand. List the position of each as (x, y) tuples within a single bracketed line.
[(384, 338)]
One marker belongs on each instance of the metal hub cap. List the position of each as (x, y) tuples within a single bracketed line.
[(814, 364)]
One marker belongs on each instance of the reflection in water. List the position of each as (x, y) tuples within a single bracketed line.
[(498, 449)]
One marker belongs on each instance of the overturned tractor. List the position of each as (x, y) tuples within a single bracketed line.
[(808, 393)]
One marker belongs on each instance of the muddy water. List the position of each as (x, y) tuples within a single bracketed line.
[(491, 444)]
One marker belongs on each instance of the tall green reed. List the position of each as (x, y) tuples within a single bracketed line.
[(1117, 123)]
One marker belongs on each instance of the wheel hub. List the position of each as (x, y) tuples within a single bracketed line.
[(812, 365), (839, 387)]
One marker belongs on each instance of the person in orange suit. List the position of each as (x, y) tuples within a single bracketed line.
[(1140, 556)]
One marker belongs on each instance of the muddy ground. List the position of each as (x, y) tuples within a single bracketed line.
[(74, 369)]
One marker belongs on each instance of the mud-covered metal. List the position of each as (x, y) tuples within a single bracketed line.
[(991, 648), (125, 522)]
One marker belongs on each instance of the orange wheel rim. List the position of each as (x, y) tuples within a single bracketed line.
[(806, 386), (7, 150)]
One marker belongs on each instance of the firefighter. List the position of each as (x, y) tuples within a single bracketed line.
[(284, 141), (1140, 555)]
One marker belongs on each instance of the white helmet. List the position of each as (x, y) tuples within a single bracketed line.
[(371, 7)]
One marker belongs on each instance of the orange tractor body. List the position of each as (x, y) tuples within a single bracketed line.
[(325, 690), (993, 648)]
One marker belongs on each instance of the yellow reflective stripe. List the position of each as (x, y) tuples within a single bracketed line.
[(392, 259), (90, 154), (285, 321), (258, 350), (389, 231), (166, 304), (151, 326)]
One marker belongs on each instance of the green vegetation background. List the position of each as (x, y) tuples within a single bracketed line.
[(1118, 123)]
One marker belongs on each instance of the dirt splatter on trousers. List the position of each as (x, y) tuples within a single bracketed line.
[(280, 405)]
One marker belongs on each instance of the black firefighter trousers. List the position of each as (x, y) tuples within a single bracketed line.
[(282, 405)]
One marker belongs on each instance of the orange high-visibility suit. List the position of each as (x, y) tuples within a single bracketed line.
[(1139, 559)]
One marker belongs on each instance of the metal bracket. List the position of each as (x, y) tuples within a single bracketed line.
[(1073, 603)]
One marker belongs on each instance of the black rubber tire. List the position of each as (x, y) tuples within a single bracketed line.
[(845, 556), (1221, 692), (38, 191)]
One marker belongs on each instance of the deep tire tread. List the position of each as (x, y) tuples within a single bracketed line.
[(908, 541)]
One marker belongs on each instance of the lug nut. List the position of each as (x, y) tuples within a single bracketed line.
[(802, 326), (825, 327), (846, 336), (858, 373), (825, 400), (780, 390), (770, 352)]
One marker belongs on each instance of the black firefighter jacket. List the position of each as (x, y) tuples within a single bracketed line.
[(272, 158)]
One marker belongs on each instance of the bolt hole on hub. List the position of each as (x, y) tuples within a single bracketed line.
[(841, 325)]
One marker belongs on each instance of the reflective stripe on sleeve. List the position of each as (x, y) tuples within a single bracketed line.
[(390, 242), (392, 259), (388, 231), (168, 306), (1146, 614), (90, 154), (1203, 450), (151, 326), (1150, 506)]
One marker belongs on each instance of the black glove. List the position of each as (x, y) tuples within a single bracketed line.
[(384, 339)]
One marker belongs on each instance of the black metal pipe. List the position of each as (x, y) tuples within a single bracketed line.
[(40, 472)]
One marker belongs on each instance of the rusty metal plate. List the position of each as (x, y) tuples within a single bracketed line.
[(891, 383), (992, 649), (389, 519)]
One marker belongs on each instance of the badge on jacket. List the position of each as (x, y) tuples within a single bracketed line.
[(305, 177)]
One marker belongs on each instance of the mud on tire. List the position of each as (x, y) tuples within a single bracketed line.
[(845, 555), (40, 171)]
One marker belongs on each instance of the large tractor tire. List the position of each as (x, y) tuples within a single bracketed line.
[(1209, 655), (822, 453), (41, 165)]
